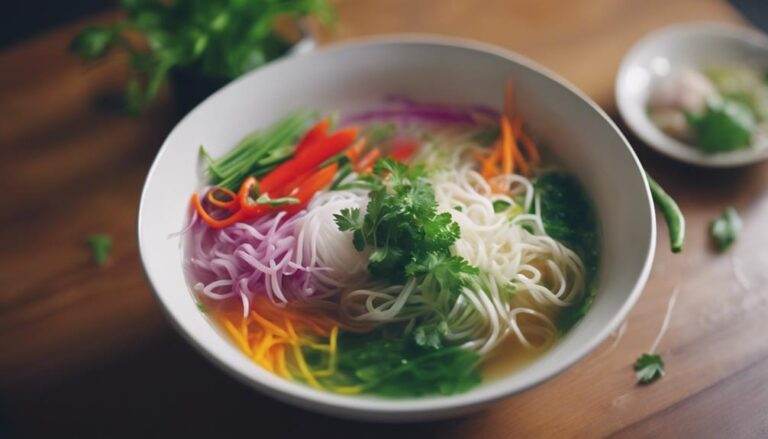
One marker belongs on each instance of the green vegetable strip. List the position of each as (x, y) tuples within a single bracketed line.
[(672, 214), (568, 217), (258, 152)]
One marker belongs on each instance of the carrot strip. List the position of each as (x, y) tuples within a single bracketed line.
[(367, 161), (506, 146), (530, 149), (304, 368), (265, 344), (280, 363), (268, 325), (516, 154), (212, 222), (237, 337), (354, 151)]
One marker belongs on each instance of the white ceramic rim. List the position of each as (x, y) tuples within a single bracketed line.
[(418, 409), (654, 137)]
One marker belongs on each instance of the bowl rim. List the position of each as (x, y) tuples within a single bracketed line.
[(415, 409), (657, 139)]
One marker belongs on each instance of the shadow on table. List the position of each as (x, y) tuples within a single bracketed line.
[(166, 389)]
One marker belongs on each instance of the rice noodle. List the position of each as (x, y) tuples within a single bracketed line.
[(526, 275)]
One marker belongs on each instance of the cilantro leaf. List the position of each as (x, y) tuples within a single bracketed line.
[(725, 229), (348, 219), (101, 245), (450, 272), (649, 368), (408, 236), (726, 125)]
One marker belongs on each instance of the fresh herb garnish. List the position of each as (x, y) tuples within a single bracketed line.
[(201, 307), (726, 125), (569, 218), (725, 229), (409, 237), (101, 245), (217, 38), (398, 367), (649, 368)]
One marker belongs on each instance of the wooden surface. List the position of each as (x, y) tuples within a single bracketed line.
[(87, 352)]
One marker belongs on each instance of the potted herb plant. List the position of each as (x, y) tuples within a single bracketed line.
[(199, 45)]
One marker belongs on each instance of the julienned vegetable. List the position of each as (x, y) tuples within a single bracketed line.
[(393, 254), (672, 214), (215, 38), (725, 229)]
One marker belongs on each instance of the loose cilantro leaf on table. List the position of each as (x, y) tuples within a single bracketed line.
[(101, 245), (649, 368), (725, 229)]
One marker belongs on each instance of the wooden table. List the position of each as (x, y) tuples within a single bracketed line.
[(87, 352)]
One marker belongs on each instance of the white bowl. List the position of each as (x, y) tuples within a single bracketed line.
[(359, 73), (662, 53)]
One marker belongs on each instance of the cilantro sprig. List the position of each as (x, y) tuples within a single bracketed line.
[(215, 38), (649, 368), (100, 245), (401, 223)]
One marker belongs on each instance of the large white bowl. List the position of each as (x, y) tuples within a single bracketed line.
[(358, 74), (685, 45)]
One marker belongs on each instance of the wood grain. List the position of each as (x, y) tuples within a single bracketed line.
[(86, 352)]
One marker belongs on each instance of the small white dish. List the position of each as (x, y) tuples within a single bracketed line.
[(664, 52), (357, 74)]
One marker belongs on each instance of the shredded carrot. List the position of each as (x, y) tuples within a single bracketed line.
[(365, 164), (506, 146), (530, 149), (267, 324), (265, 344), (354, 151), (238, 337), (304, 368), (515, 151), (280, 363)]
